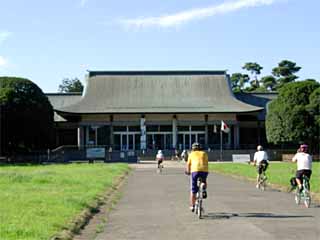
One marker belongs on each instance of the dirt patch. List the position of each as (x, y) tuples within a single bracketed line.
[(90, 221)]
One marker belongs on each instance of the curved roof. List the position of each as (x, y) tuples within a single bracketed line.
[(158, 92), (60, 100)]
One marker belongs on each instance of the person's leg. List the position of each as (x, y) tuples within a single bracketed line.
[(204, 176), (299, 178), (194, 189), (259, 171), (192, 199)]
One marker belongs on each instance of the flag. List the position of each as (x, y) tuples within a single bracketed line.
[(224, 127)]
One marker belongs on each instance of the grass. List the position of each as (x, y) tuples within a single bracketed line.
[(36, 202), (278, 173)]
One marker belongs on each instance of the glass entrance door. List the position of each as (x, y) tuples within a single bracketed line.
[(185, 140)]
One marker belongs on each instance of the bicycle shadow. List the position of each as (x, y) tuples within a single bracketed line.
[(224, 215)]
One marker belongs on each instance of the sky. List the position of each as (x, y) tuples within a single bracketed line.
[(47, 41)]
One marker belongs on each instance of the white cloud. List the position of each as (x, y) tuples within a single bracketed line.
[(194, 14), (3, 62), (83, 3), (4, 35)]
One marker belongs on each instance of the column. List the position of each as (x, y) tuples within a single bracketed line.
[(143, 136), (236, 135), (174, 131), (111, 131), (80, 136), (206, 131)]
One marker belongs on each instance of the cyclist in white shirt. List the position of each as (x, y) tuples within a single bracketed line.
[(304, 164), (159, 157), (260, 160)]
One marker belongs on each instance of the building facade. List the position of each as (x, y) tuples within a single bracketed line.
[(141, 110)]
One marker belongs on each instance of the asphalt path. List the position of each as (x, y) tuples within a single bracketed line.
[(155, 206)]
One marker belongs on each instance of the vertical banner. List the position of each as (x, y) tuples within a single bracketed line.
[(143, 137)]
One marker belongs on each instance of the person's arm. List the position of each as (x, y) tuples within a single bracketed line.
[(255, 159), (188, 166), (294, 159)]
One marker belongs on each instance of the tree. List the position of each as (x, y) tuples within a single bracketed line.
[(285, 72), (70, 85), (288, 118), (314, 110), (269, 82), (238, 81), (26, 116), (255, 69)]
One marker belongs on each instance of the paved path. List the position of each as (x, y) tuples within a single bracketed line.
[(155, 206)]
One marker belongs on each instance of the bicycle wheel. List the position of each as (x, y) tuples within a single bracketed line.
[(297, 197), (307, 199), (306, 192), (264, 183), (200, 209), (196, 206)]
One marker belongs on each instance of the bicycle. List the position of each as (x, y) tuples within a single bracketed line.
[(160, 167), (304, 194), (262, 182), (198, 208)]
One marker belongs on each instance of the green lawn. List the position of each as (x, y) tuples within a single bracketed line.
[(38, 201), (278, 173)]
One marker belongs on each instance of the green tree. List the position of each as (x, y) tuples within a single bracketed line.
[(26, 116), (314, 109), (288, 118), (70, 85), (285, 72), (255, 69), (238, 81), (269, 83)]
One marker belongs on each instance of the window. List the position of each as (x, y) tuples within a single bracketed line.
[(119, 128)]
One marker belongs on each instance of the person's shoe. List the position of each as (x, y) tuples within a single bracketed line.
[(191, 208), (204, 194)]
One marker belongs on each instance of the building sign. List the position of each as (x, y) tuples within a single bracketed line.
[(241, 158), (143, 137), (96, 153)]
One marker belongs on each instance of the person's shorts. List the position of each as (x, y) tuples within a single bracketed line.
[(262, 167), (194, 178), (160, 161), (302, 172)]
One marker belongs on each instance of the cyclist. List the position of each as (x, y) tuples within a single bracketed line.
[(197, 166), (304, 164), (260, 160), (159, 157), (184, 155)]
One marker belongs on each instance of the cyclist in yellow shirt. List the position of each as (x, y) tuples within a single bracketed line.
[(197, 166)]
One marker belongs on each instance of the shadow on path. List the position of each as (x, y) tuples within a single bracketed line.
[(223, 215)]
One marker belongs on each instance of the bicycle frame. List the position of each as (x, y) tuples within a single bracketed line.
[(262, 180), (199, 198), (305, 193)]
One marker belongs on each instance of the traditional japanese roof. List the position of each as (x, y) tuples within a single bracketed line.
[(157, 92), (59, 100), (258, 99)]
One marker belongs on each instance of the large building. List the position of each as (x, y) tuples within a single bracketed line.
[(135, 110)]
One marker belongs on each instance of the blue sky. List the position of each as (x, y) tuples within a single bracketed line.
[(47, 41)]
